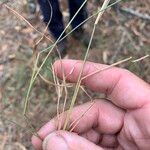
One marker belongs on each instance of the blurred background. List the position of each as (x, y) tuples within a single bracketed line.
[(123, 31)]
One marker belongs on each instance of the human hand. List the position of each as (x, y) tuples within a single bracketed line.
[(121, 122)]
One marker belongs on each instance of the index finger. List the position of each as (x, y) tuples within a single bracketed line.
[(122, 87)]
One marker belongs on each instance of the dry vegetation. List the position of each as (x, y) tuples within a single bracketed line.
[(118, 35)]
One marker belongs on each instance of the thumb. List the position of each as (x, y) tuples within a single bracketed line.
[(67, 141)]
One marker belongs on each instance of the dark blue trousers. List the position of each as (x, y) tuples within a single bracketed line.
[(56, 25)]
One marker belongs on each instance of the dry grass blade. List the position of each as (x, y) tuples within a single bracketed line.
[(68, 85), (102, 69), (76, 122), (46, 81), (139, 59), (115, 64), (30, 85), (20, 16), (65, 101), (51, 9), (82, 88), (32, 129), (105, 4), (58, 93), (66, 92)]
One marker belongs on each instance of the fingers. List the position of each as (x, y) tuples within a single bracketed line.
[(103, 117), (104, 140), (122, 87), (67, 141), (109, 141), (92, 136)]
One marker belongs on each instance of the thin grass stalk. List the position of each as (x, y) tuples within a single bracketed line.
[(51, 9), (139, 59), (65, 90), (30, 85), (77, 85), (47, 81), (57, 90), (64, 104), (51, 83), (16, 13), (59, 94), (82, 88), (106, 2), (107, 67), (76, 122)]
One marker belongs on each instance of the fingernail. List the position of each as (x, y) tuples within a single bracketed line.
[(54, 142)]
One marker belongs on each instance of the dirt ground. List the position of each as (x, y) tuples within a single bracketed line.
[(118, 35)]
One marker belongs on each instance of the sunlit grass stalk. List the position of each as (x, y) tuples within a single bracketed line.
[(106, 2), (59, 95), (65, 90)]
